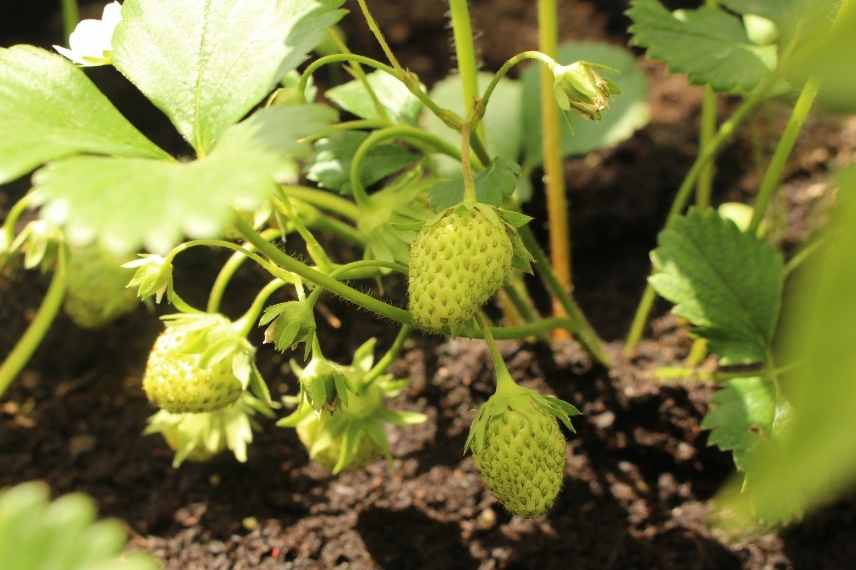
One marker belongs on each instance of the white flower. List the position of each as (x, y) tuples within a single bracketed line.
[(91, 42)]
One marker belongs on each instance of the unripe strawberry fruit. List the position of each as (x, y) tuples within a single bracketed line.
[(518, 446), (176, 381), (523, 462), (457, 262), (323, 438), (97, 290)]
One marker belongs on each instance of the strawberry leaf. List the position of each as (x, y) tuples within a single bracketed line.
[(400, 103), (334, 156), (49, 109), (493, 186), (207, 63), (709, 45), (728, 284), (127, 202), (741, 415)]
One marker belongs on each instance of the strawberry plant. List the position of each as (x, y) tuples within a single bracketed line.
[(428, 184)]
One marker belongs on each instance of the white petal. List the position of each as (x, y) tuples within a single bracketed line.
[(69, 54)]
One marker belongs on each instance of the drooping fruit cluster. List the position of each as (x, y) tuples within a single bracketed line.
[(341, 416), (193, 365), (519, 448), (97, 290), (457, 263)]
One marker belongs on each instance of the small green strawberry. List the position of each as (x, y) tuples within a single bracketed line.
[(199, 437), (519, 448), (343, 426), (200, 363), (458, 261), (97, 290)]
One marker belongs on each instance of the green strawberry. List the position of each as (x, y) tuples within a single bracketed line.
[(199, 437), (519, 448), (97, 290), (457, 263), (326, 435), (182, 374)]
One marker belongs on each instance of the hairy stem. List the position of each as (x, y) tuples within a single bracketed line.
[(325, 200), (27, 345), (580, 325), (554, 166), (773, 175), (723, 135), (246, 323), (357, 71), (390, 355), (375, 29), (237, 259), (466, 51)]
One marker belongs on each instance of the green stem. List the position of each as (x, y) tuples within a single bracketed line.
[(321, 279), (706, 133), (273, 270), (325, 200), (345, 231), (519, 301), (773, 175), (27, 345), (358, 72), (580, 325), (377, 137), (723, 135), (506, 67), (503, 377), (248, 320), (470, 196), (390, 355), (215, 297), (313, 247), (375, 29), (803, 254), (554, 165), (70, 16), (357, 125), (465, 51), (7, 237)]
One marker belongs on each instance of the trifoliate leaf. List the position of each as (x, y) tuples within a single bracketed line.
[(741, 415), (49, 109), (401, 105), (493, 186), (126, 203), (206, 63), (332, 166), (728, 284), (501, 120), (813, 461), (628, 111), (709, 45), (37, 534)]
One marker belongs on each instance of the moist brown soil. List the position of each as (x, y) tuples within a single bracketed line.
[(639, 472)]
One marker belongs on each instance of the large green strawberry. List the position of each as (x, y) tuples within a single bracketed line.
[(519, 448), (458, 261), (97, 290), (198, 364)]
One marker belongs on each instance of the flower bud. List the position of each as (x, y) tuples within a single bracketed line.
[(578, 86)]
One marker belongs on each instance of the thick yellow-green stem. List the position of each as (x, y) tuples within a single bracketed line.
[(554, 175)]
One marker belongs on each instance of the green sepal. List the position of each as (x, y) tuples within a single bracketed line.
[(152, 278), (511, 396), (289, 324)]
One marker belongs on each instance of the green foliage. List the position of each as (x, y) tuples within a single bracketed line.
[(128, 202), (627, 112), (206, 63), (501, 121), (331, 168), (741, 416), (399, 102), (493, 186), (36, 534), (728, 284), (709, 45), (813, 460), (49, 109)]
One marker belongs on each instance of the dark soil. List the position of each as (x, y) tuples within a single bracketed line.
[(639, 472)]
